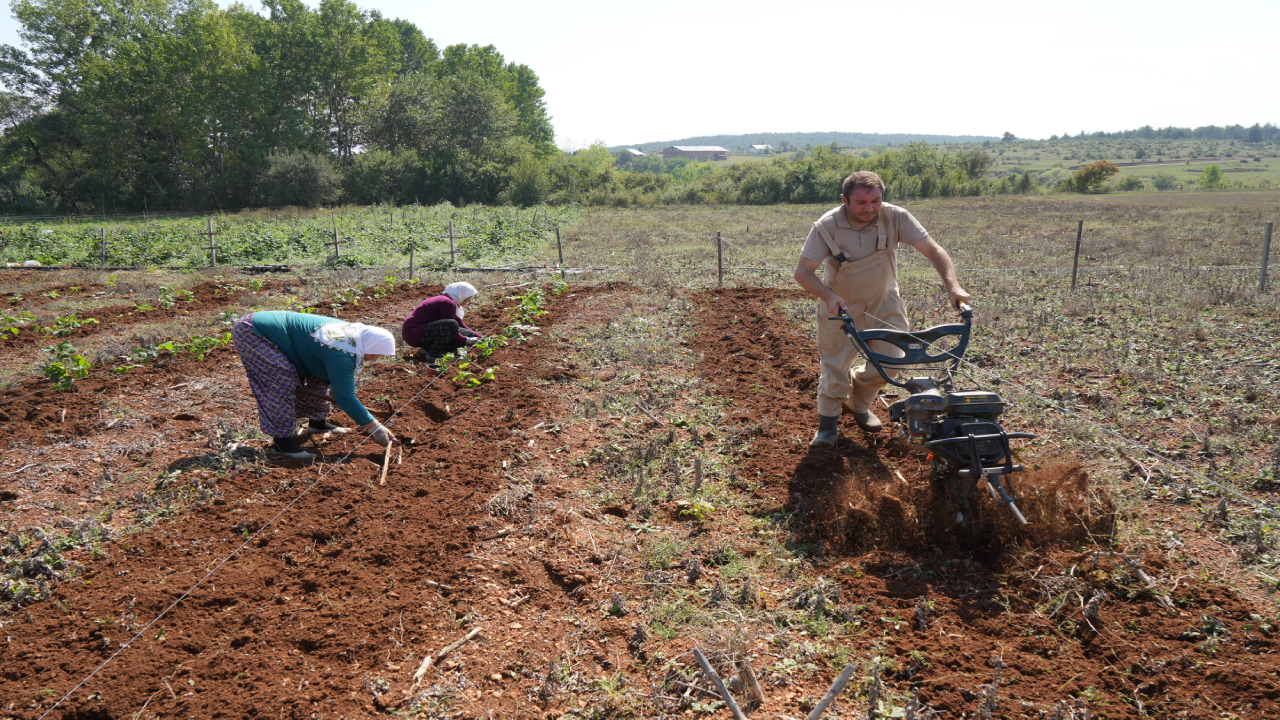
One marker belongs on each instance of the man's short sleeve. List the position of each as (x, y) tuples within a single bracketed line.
[(814, 247), (910, 231)]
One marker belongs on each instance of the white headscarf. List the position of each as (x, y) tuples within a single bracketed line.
[(460, 291), (356, 338)]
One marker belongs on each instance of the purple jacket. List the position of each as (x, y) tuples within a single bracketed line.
[(440, 307)]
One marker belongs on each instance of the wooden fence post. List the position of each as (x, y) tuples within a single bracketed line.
[(1266, 255), (1075, 263), (337, 253), (559, 247), (720, 259), (104, 247), (452, 256), (411, 244), (213, 251)]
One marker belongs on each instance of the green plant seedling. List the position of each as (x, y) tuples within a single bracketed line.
[(65, 366), (13, 324), (65, 324), (698, 510)]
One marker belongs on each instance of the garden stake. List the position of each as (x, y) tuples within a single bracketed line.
[(1075, 263), (836, 687), (719, 260), (386, 463), (1266, 255), (724, 691)]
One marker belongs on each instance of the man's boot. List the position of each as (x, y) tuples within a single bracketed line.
[(866, 420), (828, 430)]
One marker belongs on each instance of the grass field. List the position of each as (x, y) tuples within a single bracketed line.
[(1244, 165), (635, 482)]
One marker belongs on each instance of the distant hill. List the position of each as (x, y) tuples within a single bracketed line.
[(800, 139)]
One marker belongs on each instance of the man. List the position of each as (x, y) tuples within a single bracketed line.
[(859, 242)]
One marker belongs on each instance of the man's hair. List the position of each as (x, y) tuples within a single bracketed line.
[(861, 179)]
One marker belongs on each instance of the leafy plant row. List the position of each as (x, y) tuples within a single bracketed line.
[(378, 236)]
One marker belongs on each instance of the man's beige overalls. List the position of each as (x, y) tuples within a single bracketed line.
[(870, 288)]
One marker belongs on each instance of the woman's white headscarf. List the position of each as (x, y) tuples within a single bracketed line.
[(356, 338), (460, 291)]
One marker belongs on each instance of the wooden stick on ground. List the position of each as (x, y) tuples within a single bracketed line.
[(438, 586), (1161, 598), (832, 693), (386, 463), (724, 691), (429, 659), (749, 677)]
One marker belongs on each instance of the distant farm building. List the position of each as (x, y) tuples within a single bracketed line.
[(634, 152), (760, 150), (696, 152)]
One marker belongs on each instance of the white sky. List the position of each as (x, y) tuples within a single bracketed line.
[(663, 69)]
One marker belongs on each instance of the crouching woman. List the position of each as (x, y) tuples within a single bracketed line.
[(436, 325), (287, 352)]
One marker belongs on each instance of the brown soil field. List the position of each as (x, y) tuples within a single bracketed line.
[(231, 585)]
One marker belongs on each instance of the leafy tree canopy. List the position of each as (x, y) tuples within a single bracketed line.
[(175, 104)]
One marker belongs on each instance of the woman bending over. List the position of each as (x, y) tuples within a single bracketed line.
[(284, 352)]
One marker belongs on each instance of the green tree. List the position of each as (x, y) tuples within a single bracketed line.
[(529, 182), (1212, 177), (378, 177), (1008, 137), (1164, 181), (299, 178), (1092, 177), (1025, 183), (1131, 184), (976, 162), (354, 56)]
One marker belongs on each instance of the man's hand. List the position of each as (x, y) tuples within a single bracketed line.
[(805, 276), (959, 295)]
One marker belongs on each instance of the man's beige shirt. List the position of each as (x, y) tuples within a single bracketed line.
[(858, 243)]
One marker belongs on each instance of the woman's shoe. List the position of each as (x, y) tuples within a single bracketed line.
[(289, 448)]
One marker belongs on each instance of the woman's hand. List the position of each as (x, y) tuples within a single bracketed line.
[(472, 340), (379, 433)]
